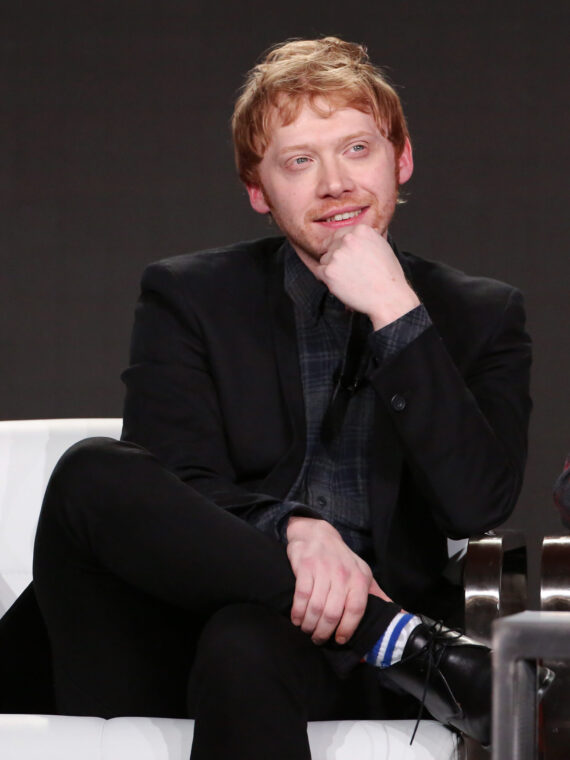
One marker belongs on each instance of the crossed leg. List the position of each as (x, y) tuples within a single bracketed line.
[(142, 581)]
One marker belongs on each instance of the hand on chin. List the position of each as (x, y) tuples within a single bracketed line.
[(361, 270)]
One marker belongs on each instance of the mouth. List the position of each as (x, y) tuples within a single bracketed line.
[(340, 218)]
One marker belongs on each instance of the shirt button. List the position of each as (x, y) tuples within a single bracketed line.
[(398, 402), (321, 501)]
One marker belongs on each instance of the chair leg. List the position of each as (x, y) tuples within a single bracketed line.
[(555, 596)]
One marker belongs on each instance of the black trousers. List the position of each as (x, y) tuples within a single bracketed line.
[(160, 603)]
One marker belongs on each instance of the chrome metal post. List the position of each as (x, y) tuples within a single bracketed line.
[(518, 642)]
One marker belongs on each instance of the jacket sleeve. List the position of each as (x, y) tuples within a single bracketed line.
[(463, 430), (172, 406)]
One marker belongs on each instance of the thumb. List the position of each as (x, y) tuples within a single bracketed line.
[(375, 590)]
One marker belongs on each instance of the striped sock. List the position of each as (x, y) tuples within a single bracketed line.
[(389, 648)]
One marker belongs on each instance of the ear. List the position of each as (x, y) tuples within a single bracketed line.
[(405, 163), (257, 199)]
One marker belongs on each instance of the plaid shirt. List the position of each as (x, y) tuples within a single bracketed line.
[(333, 478)]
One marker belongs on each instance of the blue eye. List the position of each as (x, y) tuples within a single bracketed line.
[(358, 148), (300, 160)]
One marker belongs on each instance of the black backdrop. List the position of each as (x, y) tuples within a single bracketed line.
[(115, 151)]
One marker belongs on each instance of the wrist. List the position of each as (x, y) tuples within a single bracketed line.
[(299, 526), (390, 311)]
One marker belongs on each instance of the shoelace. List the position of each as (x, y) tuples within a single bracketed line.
[(433, 661), (546, 677)]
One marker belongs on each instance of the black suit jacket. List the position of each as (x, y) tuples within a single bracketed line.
[(214, 391)]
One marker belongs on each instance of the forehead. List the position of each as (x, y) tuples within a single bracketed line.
[(317, 120)]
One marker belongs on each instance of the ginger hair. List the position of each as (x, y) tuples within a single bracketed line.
[(298, 71)]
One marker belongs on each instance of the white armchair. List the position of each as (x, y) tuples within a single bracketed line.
[(29, 450)]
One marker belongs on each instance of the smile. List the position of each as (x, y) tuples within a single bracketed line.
[(342, 217)]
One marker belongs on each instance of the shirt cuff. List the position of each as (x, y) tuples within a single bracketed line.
[(296, 509), (393, 338)]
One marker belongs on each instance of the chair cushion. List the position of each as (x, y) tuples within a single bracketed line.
[(40, 737)]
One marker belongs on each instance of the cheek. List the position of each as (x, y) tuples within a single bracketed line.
[(295, 206)]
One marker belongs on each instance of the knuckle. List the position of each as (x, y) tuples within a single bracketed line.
[(315, 609), (355, 608), (302, 590), (306, 563), (342, 574), (304, 575)]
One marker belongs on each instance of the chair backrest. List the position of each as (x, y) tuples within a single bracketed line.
[(29, 450)]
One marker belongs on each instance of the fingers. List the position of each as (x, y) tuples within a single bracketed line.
[(312, 590), (303, 590), (329, 615), (328, 600), (361, 270), (317, 607), (354, 607), (332, 582)]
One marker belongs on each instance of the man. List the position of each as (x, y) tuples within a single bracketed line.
[(307, 420)]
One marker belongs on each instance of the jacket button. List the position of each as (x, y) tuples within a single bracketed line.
[(398, 402)]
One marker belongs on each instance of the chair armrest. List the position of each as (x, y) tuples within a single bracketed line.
[(495, 584), (494, 579), (555, 574)]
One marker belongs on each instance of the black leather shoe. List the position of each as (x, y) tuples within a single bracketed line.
[(451, 675)]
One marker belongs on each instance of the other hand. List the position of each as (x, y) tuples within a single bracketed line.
[(332, 582)]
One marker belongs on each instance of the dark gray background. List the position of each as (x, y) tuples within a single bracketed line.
[(115, 151)]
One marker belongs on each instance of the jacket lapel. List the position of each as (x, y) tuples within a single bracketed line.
[(282, 317)]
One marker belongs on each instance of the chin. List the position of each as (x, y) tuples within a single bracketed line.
[(309, 249)]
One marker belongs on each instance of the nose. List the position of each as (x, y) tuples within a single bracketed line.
[(334, 179)]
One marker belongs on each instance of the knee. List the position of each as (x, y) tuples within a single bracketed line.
[(76, 473), (80, 457), (87, 474), (87, 463)]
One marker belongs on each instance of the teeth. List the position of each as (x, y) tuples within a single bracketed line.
[(342, 217)]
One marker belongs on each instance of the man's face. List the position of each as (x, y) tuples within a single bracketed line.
[(321, 174)]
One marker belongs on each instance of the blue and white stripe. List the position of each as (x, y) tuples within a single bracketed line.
[(390, 646)]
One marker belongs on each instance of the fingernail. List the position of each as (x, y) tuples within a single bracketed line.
[(341, 640)]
